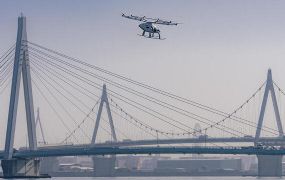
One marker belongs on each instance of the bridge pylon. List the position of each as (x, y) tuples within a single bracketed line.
[(104, 166), (39, 122), (20, 167), (104, 100), (269, 165), (268, 88)]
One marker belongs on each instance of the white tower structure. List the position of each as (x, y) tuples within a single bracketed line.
[(269, 165), (104, 99), (268, 88), (39, 122), (20, 167), (104, 166)]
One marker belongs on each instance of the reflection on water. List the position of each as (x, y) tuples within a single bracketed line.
[(164, 178)]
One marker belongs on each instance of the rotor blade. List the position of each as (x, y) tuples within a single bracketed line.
[(138, 18), (158, 21), (150, 20)]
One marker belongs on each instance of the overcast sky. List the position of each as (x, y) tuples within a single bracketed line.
[(218, 56)]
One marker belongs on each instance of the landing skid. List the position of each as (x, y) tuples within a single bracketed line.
[(151, 37)]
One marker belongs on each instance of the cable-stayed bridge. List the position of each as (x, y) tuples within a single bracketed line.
[(73, 92)]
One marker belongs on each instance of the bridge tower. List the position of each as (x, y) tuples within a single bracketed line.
[(269, 165), (104, 166), (39, 122), (20, 167), (268, 88), (104, 99)]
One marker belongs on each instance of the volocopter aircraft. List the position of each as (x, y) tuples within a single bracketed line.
[(148, 25)]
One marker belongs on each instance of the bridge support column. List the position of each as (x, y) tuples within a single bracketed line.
[(269, 165), (104, 166), (13, 167), (17, 168)]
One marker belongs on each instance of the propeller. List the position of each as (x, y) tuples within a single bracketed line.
[(149, 20)]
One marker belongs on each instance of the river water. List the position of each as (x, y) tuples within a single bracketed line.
[(163, 178)]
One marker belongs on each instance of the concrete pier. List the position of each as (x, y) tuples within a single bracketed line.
[(269, 166), (13, 168), (104, 166)]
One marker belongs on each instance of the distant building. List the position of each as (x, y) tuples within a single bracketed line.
[(200, 165), (129, 162), (143, 163), (84, 161), (148, 164), (49, 165)]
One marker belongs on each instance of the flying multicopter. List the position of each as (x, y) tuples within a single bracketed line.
[(148, 25)]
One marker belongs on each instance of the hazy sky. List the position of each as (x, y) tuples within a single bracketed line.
[(218, 56)]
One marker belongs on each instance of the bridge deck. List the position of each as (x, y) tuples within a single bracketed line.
[(265, 140), (93, 150)]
